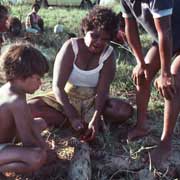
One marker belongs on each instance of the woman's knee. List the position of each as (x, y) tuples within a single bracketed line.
[(118, 110), (40, 124), (125, 111)]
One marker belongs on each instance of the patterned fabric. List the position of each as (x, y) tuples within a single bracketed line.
[(82, 98)]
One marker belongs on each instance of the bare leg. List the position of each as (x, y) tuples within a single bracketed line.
[(40, 109), (21, 159), (117, 110), (143, 95), (40, 124), (52, 117), (171, 111)]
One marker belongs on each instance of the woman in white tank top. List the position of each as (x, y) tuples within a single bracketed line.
[(83, 71)]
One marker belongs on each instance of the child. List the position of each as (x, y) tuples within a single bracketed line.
[(24, 66), (3, 20), (34, 22)]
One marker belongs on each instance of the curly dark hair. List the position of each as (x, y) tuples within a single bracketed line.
[(3, 11), (35, 5), (22, 60), (101, 18)]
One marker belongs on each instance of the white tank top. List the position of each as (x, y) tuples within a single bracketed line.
[(87, 78)]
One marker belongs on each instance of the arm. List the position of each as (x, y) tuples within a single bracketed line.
[(24, 124), (106, 77), (62, 68), (140, 71), (163, 27), (165, 83), (132, 35)]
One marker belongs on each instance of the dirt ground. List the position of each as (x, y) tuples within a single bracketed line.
[(112, 157)]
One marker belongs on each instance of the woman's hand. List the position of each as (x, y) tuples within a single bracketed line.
[(139, 74), (91, 132), (77, 124), (166, 86)]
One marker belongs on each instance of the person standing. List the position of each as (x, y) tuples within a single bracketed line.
[(161, 20)]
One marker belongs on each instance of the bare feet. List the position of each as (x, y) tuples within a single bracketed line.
[(159, 156), (137, 133)]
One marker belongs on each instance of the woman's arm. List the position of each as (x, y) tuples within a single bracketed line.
[(106, 77), (62, 68)]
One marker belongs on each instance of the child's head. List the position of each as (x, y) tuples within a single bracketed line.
[(101, 19), (22, 60), (3, 16), (36, 7)]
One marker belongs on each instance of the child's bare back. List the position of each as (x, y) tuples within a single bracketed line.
[(24, 66), (7, 128)]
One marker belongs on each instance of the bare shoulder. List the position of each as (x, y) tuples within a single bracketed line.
[(67, 45), (111, 58), (7, 96), (11, 100)]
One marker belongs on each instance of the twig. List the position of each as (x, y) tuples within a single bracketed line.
[(123, 47), (144, 148), (150, 161), (121, 170)]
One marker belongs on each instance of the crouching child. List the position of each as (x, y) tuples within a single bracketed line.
[(23, 66)]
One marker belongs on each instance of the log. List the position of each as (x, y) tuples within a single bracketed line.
[(80, 165)]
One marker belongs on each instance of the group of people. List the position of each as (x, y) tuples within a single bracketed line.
[(83, 71), (13, 26)]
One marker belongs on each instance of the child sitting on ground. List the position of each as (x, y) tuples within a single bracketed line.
[(34, 23), (24, 66)]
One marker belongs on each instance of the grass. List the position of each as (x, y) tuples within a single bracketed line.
[(122, 87)]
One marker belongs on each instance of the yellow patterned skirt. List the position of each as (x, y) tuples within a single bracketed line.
[(82, 98)]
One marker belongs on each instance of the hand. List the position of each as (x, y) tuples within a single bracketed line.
[(91, 132), (77, 124), (140, 73), (166, 86)]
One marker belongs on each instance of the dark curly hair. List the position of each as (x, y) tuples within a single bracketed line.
[(35, 5), (3, 11), (101, 18), (22, 60)]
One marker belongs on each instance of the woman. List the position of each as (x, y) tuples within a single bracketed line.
[(83, 71)]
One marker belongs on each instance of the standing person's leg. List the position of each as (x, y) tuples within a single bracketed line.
[(171, 111), (143, 94), (21, 159)]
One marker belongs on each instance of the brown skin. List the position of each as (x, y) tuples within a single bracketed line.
[(157, 57), (90, 48), (171, 111), (65, 58), (16, 120), (3, 28)]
